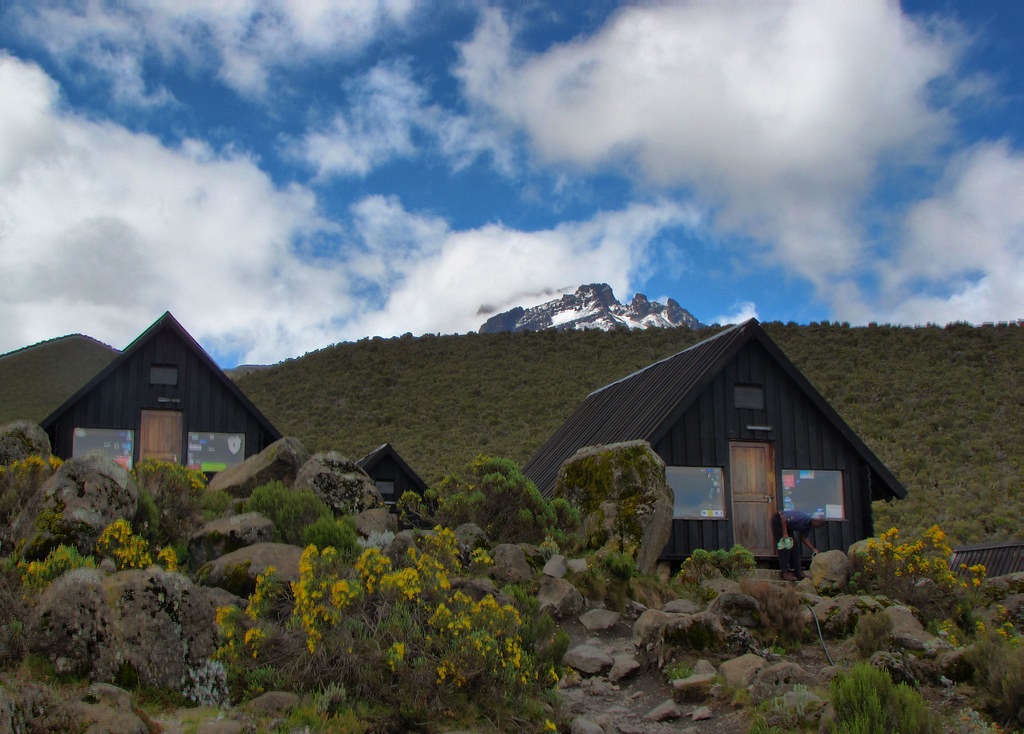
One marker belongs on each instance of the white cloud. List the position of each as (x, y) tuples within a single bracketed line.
[(963, 258), (244, 41), (493, 266), (775, 114), (94, 242), (739, 313)]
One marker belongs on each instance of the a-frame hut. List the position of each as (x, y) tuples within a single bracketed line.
[(162, 398), (392, 475), (743, 433)]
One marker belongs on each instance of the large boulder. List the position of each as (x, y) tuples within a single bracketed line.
[(237, 571), (227, 534), (21, 439), (341, 483), (622, 491), (830, 571), (75, 505), (280, 462), (144, 624)]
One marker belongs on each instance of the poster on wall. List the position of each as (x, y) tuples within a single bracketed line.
[(213, 452), (117, 443)]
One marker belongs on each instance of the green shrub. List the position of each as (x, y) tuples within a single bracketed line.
[(213, 505), (703, 565), (782, 611), (177, 491), (866, 701), (337, 533), (872, 634), (20, 479), (998, 662), (290, 511), (37, 575), (494, 494)]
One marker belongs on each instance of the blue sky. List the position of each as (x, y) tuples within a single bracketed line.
[(283, 177)]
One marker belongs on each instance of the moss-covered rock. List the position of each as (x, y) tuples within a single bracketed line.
[(625, 499)]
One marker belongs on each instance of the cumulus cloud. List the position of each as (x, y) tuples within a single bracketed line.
[(242, 263), (739, 313), (210, 235), (963, 258), (243, 41), (777, 117), (496, 265)]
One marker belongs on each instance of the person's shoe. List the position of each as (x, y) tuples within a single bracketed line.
[(788, 576), (800, 576)]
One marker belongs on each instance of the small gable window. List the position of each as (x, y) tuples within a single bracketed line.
[(163, 374), (749, 396)]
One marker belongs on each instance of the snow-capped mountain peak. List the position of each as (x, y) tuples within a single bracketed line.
[(592, 306)]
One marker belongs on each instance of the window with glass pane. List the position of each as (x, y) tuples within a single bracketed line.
[(814, 490), (698, 492), (163, 374)]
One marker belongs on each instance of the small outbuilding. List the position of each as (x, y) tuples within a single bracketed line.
[(391, 474), (743, 434), (162, 398)]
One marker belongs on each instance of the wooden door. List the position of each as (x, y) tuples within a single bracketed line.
[(160, 436), (752, 478)]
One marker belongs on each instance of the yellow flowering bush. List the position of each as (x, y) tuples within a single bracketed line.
[(37, 575), (916, 572), (393, 632), (19, 479), (127, 549)]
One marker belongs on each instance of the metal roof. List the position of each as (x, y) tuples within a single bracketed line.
[(999, 558), (647, 403)]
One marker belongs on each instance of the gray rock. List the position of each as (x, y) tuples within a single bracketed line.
[(75, 505), (20, 440), (274, 703), (695, 687), (578, 565), (559, 598), (622, 667), (584, 726), (99, 710), (778, 679), (470, 535), (556, 566), (341, 483), (737, 607), (228, 534), (740, 672), (147, 621), (237, 571), (510, 564), (631, 499), (599, 619), (588, 658), (701, 713), (830, 571), (280, 461), (682, 606), (908, 632), (664, 711), (649, 626), (375, 521)]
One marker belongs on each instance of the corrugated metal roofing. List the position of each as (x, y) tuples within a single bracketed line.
[(645, 404), (998, 558)]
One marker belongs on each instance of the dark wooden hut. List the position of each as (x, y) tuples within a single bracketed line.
[(391, 474), (162, 398), (743, 433)]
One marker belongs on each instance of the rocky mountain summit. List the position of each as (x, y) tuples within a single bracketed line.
[(592, 306)]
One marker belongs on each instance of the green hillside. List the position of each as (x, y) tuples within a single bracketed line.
[(34, 381), (942, 407)]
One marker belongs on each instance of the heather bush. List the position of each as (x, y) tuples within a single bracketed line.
[(494, 494), (998, 662), (20, 479), (872, 634), (866, 701), (177, 492), (703, 565), (781, 608), (291, 511), (337, 533)]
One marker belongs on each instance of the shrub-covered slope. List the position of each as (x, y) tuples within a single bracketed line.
[(942, 407)]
